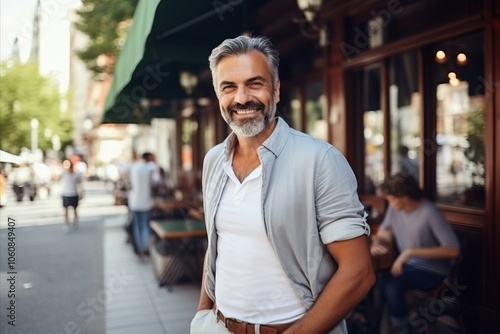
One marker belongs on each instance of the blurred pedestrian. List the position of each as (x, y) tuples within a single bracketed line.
[(287, 237), (141, 201), (72, 193), (407, 164), (425, 242), (3, 185), (456, 168)]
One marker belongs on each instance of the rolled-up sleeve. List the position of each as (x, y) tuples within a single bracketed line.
[(340, 214)]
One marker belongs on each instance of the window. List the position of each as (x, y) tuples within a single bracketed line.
[(296, 108), (458, 81), (448, 139), (405, 114), (306, 108), (366, 95), (316, 124), (187, 144)]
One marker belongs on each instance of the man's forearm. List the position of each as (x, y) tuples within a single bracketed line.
[(344, 291), (383, 237), (434, 252), (348, 286), (205, 302)]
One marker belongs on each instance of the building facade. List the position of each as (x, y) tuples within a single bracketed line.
[(396, 85)]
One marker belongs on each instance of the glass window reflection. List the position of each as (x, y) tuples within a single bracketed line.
[(296, 108), (316, 124), (406, 113), (460, 105), (373, 130)]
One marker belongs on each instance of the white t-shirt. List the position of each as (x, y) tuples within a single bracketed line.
[(70, 182), (250, 284), (140, 197)]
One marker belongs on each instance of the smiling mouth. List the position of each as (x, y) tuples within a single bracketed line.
[(245, 111), (250, 108)]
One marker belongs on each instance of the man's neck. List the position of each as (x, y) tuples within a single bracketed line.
[(412, 205), (245, 157), (248, 145)]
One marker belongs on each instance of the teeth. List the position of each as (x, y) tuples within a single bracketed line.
[(245, 112)]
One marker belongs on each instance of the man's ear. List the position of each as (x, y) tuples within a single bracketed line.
[(277, 92)]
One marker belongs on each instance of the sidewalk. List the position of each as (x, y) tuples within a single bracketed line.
[(134, 301)]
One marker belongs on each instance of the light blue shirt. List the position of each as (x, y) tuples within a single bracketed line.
[(424, 227), (309, 198)]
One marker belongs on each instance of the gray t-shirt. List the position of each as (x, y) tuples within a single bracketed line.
[(424, 227)]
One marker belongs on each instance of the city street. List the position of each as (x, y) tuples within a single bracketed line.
[(47, 276), (98, 204)]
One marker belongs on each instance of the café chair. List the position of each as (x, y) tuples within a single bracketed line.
[(437, 306)]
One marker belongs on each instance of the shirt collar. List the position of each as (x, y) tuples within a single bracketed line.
[(274, 143)]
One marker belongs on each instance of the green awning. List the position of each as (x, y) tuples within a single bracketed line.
[(121, 106), (167, 37)]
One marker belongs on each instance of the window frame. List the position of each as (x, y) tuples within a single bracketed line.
[(469, 217)]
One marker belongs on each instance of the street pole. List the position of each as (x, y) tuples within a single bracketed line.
[(34, 135)]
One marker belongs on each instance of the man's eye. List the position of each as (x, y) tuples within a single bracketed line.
[(256, 84), (227, 88)]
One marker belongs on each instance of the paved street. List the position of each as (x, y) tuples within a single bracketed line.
[(96, 206), (54, 273), (87, 281)]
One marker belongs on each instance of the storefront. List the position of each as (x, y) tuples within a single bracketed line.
[(395, 85), (412, 86)]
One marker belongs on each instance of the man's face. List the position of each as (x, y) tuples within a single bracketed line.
[(246, 94), (398, 203)]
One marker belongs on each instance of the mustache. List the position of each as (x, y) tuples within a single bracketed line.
[(248, 105)]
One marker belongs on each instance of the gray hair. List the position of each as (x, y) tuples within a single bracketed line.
[(242, 45)]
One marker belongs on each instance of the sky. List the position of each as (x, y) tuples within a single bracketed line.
[(16, 20)]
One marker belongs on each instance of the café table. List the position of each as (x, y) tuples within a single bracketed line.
[(183, 243)]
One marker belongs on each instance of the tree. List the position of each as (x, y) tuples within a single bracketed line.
[(25, 94), (475, 194), (106, 23), (476, 150)]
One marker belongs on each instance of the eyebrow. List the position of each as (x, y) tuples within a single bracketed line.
[(255, 78)]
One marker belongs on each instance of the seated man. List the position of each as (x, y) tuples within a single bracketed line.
[(425, 241)]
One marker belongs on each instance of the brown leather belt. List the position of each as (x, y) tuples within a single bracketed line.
[(241, 327)]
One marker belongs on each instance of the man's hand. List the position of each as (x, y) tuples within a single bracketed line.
[(381, 243), (397, 266), (379, 249)]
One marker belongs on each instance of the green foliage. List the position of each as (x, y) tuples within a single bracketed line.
[(25, 95), (105, 22), (476, 151)]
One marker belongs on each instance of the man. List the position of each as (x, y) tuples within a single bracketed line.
[(140, 201), (408, 165), (425, 241), (151, 162), (72, 192), (287, 239)]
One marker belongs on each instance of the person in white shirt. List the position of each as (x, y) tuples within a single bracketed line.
[(72, 192), (140, 201), (287, 236)]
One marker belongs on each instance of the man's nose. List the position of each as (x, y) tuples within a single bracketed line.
[(242, 95)]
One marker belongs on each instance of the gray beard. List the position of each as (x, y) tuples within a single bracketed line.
[(253, 126)]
